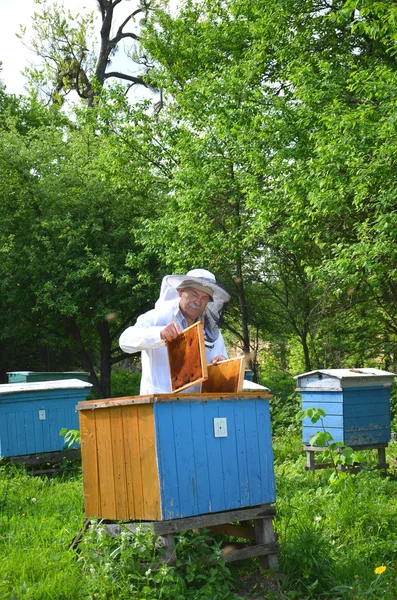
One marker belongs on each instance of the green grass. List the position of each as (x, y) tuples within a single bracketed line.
[(332, 536)]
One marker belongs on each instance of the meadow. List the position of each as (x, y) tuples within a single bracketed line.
[(338, 540)]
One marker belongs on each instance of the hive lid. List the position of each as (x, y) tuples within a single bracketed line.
[(341, 378), (15, 388)]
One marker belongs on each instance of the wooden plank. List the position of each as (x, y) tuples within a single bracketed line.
[(89, 461), (184, 422), (201, 397), (252, 551), (219, 518), (186, 357), (150, 478), (119, 471), (167, 460), (133, 463), (105, 465), (265, 534), (109, 402), (316, 466), (225, 377), (247, 533), (47, 457)]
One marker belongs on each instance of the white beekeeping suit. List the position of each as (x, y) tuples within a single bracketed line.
[(144, 336)]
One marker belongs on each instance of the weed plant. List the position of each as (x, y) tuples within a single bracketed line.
[(338, 541)]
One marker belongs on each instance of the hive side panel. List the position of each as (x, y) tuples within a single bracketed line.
[(241, 454), (252, 445), (228, 453), (332, 404), (119, 470), (201, 473), (89, 463), (265, 452), (30, 431), (367, 416), (166, 457), (186, 460), (147, 443), (105, 464), (132, 462), (217, 498), (202, 463)]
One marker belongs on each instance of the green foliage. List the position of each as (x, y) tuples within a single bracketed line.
[(129, 566), (339, 455), (332, 539), (125, 383), (71, 437)]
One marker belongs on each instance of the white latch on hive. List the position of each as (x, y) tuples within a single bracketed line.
[(42, 416), (220, 427)]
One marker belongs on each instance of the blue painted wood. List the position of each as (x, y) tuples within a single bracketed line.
[(228, 449), (242, 460), (202, 466), (363, 415), (200, 473), (369, 411), (166, 458), (185, 460), (330, 408), (216, 500), (363, 437), (21, 430), (334, 421), (312, 398)]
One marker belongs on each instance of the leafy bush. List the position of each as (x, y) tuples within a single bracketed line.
[(125, 383)]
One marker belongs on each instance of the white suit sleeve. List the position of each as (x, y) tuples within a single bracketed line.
[(142, 336)]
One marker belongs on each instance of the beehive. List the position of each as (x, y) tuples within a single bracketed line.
[(32, 415), (356, 403), (172, 456), (31, 376)]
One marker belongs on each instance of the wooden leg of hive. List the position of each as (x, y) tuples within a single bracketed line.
[(265, 534), (310, 462), (168, 542), (382, 464)]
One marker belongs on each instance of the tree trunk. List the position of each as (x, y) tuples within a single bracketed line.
[(244, 316), (73, 329), (306, 353), (106, 361)]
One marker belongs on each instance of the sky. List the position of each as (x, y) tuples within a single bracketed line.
[(14, 55)]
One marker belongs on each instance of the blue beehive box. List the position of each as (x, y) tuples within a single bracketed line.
[(32, 415), (356, 403), (168, 456)]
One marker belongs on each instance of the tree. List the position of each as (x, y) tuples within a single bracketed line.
[(72, 198), (70, 62), (281, 91)]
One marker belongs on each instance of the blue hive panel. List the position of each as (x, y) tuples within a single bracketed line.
[(367, 416), (332, 405), (200, 473), (32, 415), (354, 416)]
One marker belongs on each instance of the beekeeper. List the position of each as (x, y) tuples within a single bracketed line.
[(184, 300)]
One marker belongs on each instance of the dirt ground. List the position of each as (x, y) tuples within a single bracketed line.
[(257, 586)]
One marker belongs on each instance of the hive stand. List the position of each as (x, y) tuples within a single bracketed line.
[(254, 524), (311, 465)]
